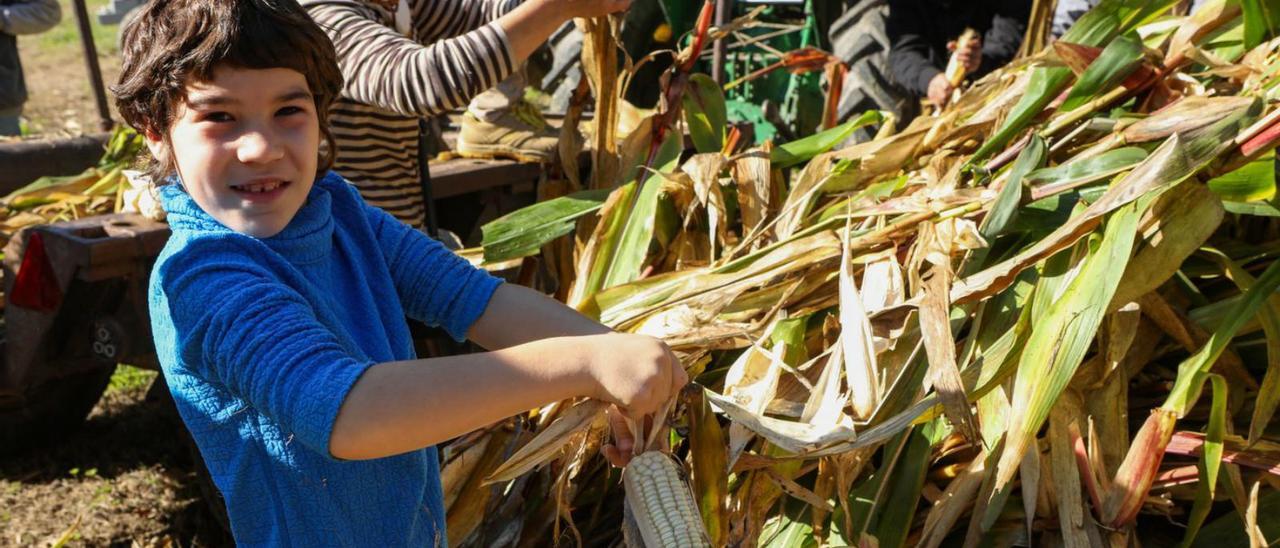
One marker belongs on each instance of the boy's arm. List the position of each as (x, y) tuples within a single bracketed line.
[(244, 331), (517, 315), (402, 406), (30, 17)]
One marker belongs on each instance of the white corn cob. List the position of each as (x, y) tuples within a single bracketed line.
[(662, 503)]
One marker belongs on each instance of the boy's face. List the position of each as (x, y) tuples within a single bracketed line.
[(245, 145)]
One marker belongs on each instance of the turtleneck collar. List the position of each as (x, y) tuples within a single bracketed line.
[(306, 239)]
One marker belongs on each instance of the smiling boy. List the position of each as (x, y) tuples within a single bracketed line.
[(278, 303)]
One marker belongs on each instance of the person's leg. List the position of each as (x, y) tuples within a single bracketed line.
[(10, 125), (500, 123), (492, 103)]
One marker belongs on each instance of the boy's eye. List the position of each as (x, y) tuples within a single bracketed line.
[(289, 110), (217, 117)]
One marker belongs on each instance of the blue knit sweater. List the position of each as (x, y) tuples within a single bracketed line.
[(261, 339)]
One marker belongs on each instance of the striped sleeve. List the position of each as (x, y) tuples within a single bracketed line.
[(390, 71), (439, 19)]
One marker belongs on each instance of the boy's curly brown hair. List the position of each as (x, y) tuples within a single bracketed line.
[(173, 42)]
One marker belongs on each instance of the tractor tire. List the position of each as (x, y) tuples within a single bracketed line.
[(858, 38), (48, 411)]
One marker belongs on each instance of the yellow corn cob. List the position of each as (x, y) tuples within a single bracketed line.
[(662, 503), (956, 70)]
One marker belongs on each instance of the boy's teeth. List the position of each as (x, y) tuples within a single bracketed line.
[(260, 187)]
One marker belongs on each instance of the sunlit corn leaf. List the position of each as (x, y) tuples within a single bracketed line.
[(466, 511), (752, 174), (1256, 181), (1072, 518), (1186, 115), (633, 244), (857, 344), (792, 436), (1210, 460), (525, 231), (1207, 17), (704, 113), (1120, 58), (1095, 28), (935, 326), (1168, 165), (600, 67), (547, 444), (1061, 336), (802, 150)]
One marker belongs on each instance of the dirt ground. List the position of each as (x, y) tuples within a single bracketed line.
[(124, 479)]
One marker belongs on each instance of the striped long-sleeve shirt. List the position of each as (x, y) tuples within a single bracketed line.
[(452, 51)]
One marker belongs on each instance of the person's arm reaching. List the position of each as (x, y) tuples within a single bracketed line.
[(910, 62), (388, 70)]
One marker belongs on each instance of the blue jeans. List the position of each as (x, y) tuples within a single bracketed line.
[(9, 125)]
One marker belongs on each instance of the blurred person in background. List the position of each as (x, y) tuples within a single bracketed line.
[(19, 17), (923, 34)]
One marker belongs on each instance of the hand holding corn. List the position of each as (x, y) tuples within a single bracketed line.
[(966, 57), (636, 373)]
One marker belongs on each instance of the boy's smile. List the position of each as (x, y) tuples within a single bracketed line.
[(245, 145)]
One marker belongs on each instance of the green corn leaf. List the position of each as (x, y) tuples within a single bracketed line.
[(1210, 460), (896, 512), (1193, 371), (802, 150), (1084, 171), (633, 245), (1261, 21), (1255, 181), (1005, 210), (1117, 60), (1061, 336), (1269, 315), (524, 232), (704, 113), (1260, 209), (1229, 530)]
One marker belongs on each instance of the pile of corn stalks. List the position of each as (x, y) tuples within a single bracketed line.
[(1044, 316), (97, 190)]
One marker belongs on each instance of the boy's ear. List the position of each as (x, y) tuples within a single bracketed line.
[(155, 143)]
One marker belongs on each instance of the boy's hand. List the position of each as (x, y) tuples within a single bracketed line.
[(636, 373)]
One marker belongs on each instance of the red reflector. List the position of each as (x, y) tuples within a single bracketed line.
[(36, 286)]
